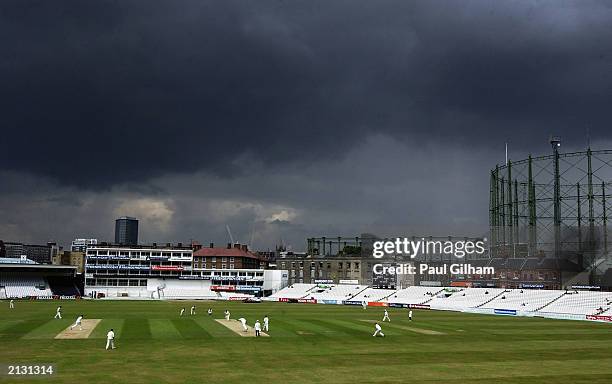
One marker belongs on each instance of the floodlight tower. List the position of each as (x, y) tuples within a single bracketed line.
[(555, 142)]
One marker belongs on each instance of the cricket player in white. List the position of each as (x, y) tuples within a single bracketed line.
[(209, 311), (12, 304), (110, 339), (378, 330), (58, 313), (182, 312), (266, 323), (386, 316), (227, 314), (410, 315), (77, 322), (193, 309), (257, 328), (364, 305), (243, 321)]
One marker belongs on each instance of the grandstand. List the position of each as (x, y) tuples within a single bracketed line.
[(465, 298), (26, 279), (336, 292), (372, 295), (294, 291), (525, 302), (18, 286), (414, 295), (581, 302)]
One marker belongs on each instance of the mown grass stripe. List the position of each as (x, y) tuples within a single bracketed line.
[(136, 329), (48, 330), (105, 325), (163, 329), (189, 329), (213, 327), (337, 327), (18, 330)]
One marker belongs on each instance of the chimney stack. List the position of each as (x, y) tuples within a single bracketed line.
[(212, 245), (229, 245)]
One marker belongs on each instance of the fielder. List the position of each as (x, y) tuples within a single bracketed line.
[(386, 316), (193, 309), (12, 304), (244, 324), (257, 328), (410, 315), (227, 314), (209, 311), (58, 313), (77, 323), (378, 330), (110, 339), (266, 323), (182, 311), (364, 305)]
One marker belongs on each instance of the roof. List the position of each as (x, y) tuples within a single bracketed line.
[(15, 260), (232, 252)]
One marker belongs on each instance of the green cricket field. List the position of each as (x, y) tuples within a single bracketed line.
[(307, 344)]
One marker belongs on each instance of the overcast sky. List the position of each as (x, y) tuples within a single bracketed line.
[(285, 119)]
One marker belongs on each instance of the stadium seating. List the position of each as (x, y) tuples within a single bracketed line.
[(183, 293), (63, 286), (295, 291), (581, 303), (336, 292), (414, 295), (465, 298), (373, 294), (523, 300), (19, 286), (484, 300)]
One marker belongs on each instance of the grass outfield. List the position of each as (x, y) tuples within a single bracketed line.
[(308, 343)]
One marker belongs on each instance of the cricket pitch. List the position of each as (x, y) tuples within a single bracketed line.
[(88, 327), (236, 326)]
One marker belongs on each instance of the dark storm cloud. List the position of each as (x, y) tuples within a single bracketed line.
[(106, 92)]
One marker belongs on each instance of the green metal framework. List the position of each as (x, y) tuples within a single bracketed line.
[(554, 205)]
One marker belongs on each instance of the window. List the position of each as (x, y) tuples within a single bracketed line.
[(224, 259), (231, 259), (231, 266), (340, 265), (214, 259), (223, 266)]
